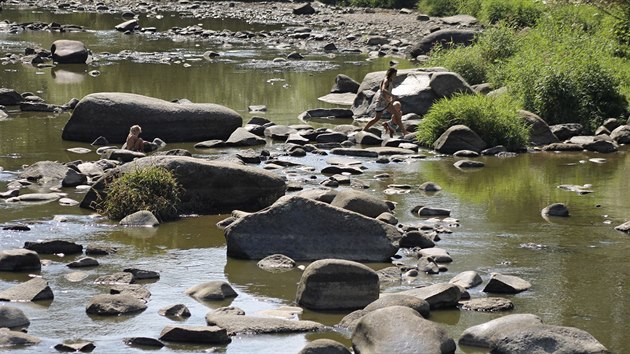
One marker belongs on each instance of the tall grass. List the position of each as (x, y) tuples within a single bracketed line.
[(153, 188), (494, 119)]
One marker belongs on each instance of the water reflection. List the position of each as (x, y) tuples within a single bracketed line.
[(69, 74)]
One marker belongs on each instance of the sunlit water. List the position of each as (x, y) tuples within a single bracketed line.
[(578, 266)]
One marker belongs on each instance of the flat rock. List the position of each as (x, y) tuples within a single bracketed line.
[(488, 304), (468, 279), (506, 284), (33, 290), (546, 338), (143, 342), (10, 338), (54, 247), (142, 274), (235, 324), (115, 278), (195, 334)]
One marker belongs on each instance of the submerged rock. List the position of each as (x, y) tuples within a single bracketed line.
[(10, 338)]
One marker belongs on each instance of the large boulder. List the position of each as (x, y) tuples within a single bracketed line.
[(110, 114), (208, 186), (10, 97), (12, 317), (546, 339), (539, 131), (344, 84), (506, 284), (195, 334), (446, 84), (444, 37), (324, 346), (350, 321), (360, 202), (19, 260), (33, 290), (482, 335), (306, 230), (412, 86), (45, 173), (621, 134), (459, 137), (54, 247), (238, 324), (401, 330), (65, 51), (334, 284)]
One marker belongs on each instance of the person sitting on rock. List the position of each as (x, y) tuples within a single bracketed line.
[(134, 141), (383, 101)]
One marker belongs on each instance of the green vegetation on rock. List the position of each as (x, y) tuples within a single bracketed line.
[(153, 188)]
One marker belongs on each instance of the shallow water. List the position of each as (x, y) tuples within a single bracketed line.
[(578, 266)]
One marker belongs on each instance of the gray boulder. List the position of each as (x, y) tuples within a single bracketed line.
[(546, 339), (10, 338), (539, 131), (110, 114), (143, 342), (621, 134), (506, 284), (81, 346), (10, 97), (241, 137), (599, 143), (305, 9), (442, 295), (18, 260), (209, 187), (324, 346), (239, 324), (12, 317), (487, 304), (401, 330), (459, 137), (446, 84), (177, 310), (419, 305), (114, 305), (127, 26), (482, 335), (444, 37), (73, 178), (140, 218), (416, 239), (45, 173), (365, 138), (468, 279), (54, 247), (344, 84), (33, 290), (83, 262), (334, 284), (360, 202), (305, 229), (566, 131), (195, 334), (212, 290), (65, 51)]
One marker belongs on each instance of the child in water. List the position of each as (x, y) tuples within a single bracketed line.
[(134, 141), (383, 101)]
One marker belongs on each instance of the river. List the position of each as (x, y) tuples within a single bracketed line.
[(578, 266)]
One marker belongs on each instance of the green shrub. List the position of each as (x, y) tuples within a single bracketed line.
[(153, 188), (494, 119), (516, 13), (466, 61), (565, 71), (443, 8)]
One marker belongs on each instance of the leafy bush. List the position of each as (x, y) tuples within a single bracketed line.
[(565, 70), (153, 188), (439, 7), (475, 63), (516, 13), (494, 119)]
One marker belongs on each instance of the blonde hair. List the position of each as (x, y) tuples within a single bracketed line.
[(135, 128)]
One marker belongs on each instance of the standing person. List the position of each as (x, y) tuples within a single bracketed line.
[(134, 141), (383, 101)]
